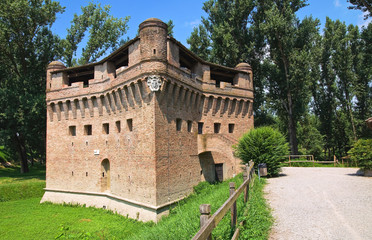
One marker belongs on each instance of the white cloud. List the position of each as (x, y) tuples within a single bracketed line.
[(193, 23), (362, 22), (337, 3)]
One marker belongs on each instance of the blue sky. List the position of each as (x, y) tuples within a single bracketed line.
[(187, 14)]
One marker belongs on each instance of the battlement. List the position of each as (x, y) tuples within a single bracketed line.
[(137, 130)]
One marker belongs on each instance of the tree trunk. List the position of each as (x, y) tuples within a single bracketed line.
[(22, 153), (292, 127)]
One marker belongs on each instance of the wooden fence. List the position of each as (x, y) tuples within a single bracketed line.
[(309, 158), (208, 223)]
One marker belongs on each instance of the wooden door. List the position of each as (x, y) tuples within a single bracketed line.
[(219, 172)]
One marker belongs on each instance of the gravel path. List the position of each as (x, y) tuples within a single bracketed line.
[(320, 203)]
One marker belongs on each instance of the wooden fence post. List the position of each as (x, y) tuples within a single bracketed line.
[(205, 210), (233, 207), (289, 160), (245, 177)]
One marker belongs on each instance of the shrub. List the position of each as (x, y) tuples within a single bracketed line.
[(263, 145), (362, 153)]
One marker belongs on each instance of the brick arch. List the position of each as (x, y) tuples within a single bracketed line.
[(216, 149)]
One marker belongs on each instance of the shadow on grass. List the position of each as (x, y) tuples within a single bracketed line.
[(36, 172)]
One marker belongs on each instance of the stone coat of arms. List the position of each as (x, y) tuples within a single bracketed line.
[(154, 82)]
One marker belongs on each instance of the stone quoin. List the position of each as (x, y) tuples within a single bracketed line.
[(136, 131)]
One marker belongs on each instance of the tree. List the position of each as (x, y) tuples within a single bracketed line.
[(363, 5), (26, 45), (263, 145), (230, 34), (200, 42), (291, 51), (104, 34), (170, 25)]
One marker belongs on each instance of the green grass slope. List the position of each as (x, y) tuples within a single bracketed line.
[(23, 217)]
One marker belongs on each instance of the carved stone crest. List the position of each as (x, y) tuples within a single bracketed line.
[(154, 82)]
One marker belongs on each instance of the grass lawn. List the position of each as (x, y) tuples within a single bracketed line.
[(26, 218)]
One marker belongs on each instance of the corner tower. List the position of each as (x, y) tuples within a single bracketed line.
[(153, 40)]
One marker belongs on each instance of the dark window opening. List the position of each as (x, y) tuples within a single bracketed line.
[(72, 173), (189, 126), (72, 130), (187, 61), (118, 127), (217, 127), (106, 128), (178, 124), (154, 51), (231, 127), (130, 124), (121, 60), (83, 75), (88, 129), (86, 174), (200, 127), (222, 76)]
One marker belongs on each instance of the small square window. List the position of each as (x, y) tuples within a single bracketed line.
[(178, 124), (88, 129), (231, 127), (118, 127), (106, 128), (200, 127), (189, 126), (72, 130), (130, 124), (217, 127)]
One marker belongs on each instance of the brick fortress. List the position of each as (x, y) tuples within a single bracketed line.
[(136, 131)]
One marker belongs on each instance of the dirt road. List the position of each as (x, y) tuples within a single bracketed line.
[(320, 203)]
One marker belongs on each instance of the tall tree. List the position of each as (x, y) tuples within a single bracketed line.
[(291, 50), (26, 47), (230, 34), (104, 34)]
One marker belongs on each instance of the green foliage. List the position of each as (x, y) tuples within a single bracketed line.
[(263, 145), (363, 5), (104, 34), (200, 43), (27, 45), (362, 153), (170, 25), (258, 220), (309, 138), (4, 156)]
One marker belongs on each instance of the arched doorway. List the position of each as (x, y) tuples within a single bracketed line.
[(105, 175), (215, 167)]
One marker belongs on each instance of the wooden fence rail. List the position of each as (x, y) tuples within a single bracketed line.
[(208, 224), (290, 160)]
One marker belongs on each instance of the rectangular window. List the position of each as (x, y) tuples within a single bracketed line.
[(118, 127), (106, 128), (189, 126), (217, 127), (130, 124), (72, 130), (88, 129), (178, 124), (200, 127), (231, 127)]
